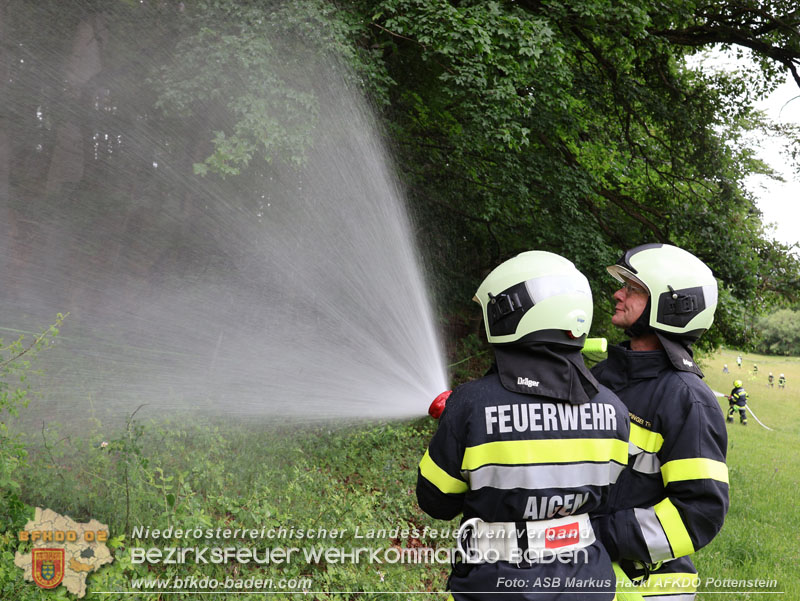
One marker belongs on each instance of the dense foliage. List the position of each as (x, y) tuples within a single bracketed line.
[(15, 365), (579, 128)]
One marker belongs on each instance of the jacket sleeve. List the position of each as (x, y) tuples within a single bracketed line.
[(695, 477), (440, 486)]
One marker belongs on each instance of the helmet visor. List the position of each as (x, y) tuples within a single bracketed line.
[(623, 275)]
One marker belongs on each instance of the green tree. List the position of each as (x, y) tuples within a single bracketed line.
[(780, 333), (582, 129), (579, 128)]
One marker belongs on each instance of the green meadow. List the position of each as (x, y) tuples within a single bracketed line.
[(760, 536), (352, 487)]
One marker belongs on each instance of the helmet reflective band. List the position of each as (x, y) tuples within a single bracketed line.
[(535, 291), (555, 285)]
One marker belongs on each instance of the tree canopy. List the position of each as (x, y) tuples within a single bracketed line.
[(579, 128), (780, 333)]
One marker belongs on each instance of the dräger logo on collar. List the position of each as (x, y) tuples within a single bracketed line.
[(688, 363), (527, 382)]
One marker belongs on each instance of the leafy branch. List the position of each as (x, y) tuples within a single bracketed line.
[(37, 343)]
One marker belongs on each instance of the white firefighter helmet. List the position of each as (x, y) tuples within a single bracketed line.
[(683, 291), (536, 295)]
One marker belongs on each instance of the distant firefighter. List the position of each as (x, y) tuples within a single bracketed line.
[(755, 369), (739, 361), (781, 381), (771, 380), (725, 369), (738, 400)]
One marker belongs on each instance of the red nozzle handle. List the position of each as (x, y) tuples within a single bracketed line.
[(437, 406)]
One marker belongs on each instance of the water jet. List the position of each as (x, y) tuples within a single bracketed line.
[(294, 292)]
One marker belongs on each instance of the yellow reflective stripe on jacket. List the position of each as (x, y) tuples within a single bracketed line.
[(440, 478), (676, 532), (669, 583), (694, 469), (521, 452), (645, 439), (626, 589)]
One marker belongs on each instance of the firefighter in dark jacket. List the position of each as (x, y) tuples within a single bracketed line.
[(737, 400), (527, 451), (672, 498)]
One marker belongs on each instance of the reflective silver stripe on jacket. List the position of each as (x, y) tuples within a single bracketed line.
[(653, 533), (532, 477), (644, 462), (647, 463)]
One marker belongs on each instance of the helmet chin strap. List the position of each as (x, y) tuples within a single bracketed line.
[(642, 325)]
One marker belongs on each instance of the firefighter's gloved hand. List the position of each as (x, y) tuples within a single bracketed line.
[(601, 525), (437, 406)]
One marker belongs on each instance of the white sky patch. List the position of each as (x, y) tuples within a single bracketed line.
[(778, 201)]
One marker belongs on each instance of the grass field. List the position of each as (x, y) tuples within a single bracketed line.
[(358, 480), (760, 538)]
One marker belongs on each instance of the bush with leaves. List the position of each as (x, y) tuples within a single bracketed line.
[(15, 362)]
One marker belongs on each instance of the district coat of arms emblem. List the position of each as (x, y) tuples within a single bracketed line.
[(48, 567)]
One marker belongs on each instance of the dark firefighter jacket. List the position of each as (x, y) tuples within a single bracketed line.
[(505, 456), (672, 498), (738, 397)]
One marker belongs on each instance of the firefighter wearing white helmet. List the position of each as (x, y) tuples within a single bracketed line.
[(527, 451), (672, 498)]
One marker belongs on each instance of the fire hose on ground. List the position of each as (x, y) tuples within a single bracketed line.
[(760, 423)]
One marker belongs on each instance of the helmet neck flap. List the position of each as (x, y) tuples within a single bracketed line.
[(543, 369)]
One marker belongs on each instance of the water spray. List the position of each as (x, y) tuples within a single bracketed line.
[(293, 290)]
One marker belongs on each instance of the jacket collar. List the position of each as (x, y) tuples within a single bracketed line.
[(626, 365)]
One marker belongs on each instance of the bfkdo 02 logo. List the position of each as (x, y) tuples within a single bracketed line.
[(64, 552), (63, 536), (48, 567)]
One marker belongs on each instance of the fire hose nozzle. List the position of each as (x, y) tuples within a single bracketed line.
[(437, 406)]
